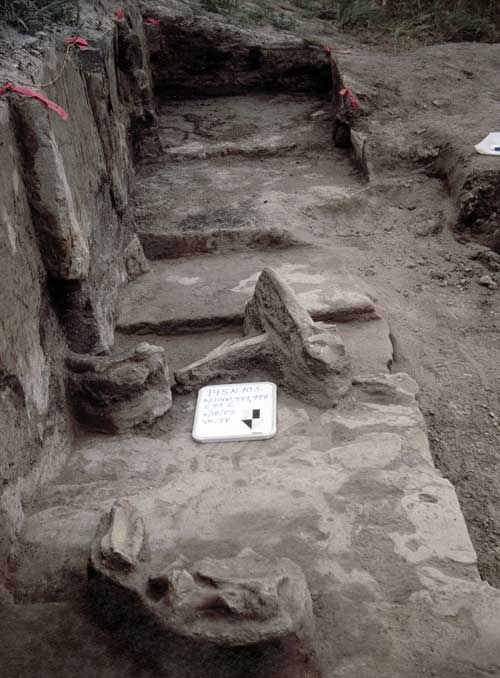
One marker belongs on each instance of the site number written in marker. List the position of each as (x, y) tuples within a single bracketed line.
[(229, 412)]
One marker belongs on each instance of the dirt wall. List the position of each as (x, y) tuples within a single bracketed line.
[(67, 241)]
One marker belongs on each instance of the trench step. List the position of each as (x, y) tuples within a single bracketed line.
[(233, 204), (252, 124), (213, 233), (200, 293), (239, 173)]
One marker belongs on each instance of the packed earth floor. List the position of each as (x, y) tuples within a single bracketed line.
[(355, 495), (253, 182), (394, 235)]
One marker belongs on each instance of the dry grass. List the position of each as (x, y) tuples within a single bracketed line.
[(220, 5), (410, 21), (33, 15)]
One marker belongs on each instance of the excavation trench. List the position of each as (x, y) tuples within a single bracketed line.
[(235, 171)]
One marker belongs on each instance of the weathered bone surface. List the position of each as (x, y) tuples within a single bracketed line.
[(307, 359), (237, 601), (121, 545), (245, 600), (311, 360), (115, 393), (233, 359)]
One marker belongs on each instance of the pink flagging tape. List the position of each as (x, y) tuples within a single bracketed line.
[(332, 50), (351, 98), (33, 94), (120, 14), (78, 41), (151, 21)]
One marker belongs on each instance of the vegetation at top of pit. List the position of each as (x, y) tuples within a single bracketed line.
[(35, 15), (416, 20), (397, 23)]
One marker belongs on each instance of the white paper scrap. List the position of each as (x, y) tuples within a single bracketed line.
[(490, 145)]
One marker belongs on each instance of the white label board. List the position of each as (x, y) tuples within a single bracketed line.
[(490, 145), (227, 412)]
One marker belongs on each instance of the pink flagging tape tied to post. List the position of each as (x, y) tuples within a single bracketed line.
[(120, 14), (151, 21), (351, 98), (33, 94), (78, 41)]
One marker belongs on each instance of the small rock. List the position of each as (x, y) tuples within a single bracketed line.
[(487, 257), (486, 280), (438, 275)]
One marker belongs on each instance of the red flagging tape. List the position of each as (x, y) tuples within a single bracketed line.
[(33, 94), (120, 14), (78, 41), (152, 21), (346, 92), (330, 50)]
